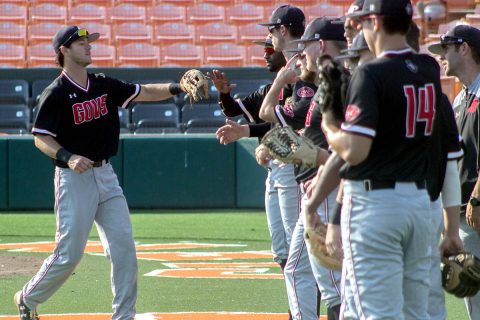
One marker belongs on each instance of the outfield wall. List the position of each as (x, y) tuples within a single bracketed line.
[(155, 171)]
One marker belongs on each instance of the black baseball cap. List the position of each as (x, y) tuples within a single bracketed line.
[(356, 6), (323, 28), (358, 44), (286, 15), (458, 35), (68, 34), (398, 8)]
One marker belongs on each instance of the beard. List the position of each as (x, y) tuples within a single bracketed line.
[(308, 76)]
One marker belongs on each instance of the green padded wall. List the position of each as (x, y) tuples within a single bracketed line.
[(3, 174), (250, 176), (178, 171)]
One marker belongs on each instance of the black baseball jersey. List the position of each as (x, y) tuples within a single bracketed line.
[(294, 111), (467, 117), (445, 146), (392, 100), (84, 120)]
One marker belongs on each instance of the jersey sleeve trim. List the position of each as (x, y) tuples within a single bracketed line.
[(244, 109), (279, 115), (133, 96), (455, 155), (359, 130), (42, 131)]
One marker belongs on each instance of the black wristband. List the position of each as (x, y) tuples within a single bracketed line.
[(63, 155), (258, 130), (336, 214), (175, 89)]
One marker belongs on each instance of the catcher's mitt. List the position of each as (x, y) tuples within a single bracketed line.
[(332, 83), (461, 275), (195, 84), (316, 239), (285, 145)]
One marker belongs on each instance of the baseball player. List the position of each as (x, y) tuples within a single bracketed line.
[(78, 127), (357, 54), (385, 141), (460, 57)]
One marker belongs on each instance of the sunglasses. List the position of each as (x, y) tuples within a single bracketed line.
[(271, 28), (269, 50), (78, 34)]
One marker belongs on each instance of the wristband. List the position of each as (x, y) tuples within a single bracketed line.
[(63, 155), (175, 89), (336, 214)]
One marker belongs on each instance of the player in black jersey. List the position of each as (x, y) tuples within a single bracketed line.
[(78, 127), (385, 141)]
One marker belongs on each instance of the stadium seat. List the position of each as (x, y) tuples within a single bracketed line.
[(132, 32), (203, 118), (103, 55), (262, 3), (13, 55), (323, 9), (88, 12), (244, 14), (13, 33), (48, 12), (215, 32), (40, 55), (14, 119), (128, 13), (474, 18), (246, 86), (64, 3), (103, 3), (304, 3), (124, 117), (251, 32), (170, 33), (143, 3), (205, 13), (104, 29), (223, 3), (225, 54), (37, 88), (184, 54), (14, 92), (255, 55), (167, 13), (13, 12), (148, 116), (42, 32), (344, 3), (141, 54), (183, 3)]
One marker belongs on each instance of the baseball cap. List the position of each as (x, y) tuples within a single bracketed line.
[(323, 28), (286, 15), (68, 34), (267, 44), (358, 44), (396, 8), (458, 35), (357, 5)]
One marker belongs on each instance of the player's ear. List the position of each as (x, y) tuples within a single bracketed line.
[(376, 20)]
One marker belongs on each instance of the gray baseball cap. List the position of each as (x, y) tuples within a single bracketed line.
[(458, 35)]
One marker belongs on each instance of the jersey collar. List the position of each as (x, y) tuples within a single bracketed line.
[(391, 53), (76, 84)]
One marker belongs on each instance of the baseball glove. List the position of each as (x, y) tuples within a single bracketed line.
[(195, 84), (461, 274), (285, 145), (316, 239)]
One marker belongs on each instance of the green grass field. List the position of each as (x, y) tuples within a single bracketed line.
[(88, 290)]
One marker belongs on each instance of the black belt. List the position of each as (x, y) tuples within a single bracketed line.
[(379, 184), (96, 164)]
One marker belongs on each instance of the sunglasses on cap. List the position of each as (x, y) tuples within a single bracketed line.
[(78, 34)]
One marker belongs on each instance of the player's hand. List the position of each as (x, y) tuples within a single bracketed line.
[(288, 75), (450, 244), (333, 241), (262, 155), (79, 164), (220, 81), (231, 132), (473, 217)]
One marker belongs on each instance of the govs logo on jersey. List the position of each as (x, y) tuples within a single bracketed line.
[(90, 109)]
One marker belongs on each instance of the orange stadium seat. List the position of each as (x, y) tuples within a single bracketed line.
[(255, 55), (474, 18), (143, 3), (13, 12), (252, 32), (170, 33), (244, 13), (14, 33), (205, 13), (88, 12), (41, 55), (103, 55), (105, 31), (304, 3), (141, 54), (223, 3), (102, 3), (132, 32), (225, 54), (323, 9), (42, 32), (167, 13), (128, 13), (11, 54), (263, 3), (183, 54), (183, 3), (64, 3), (215, 33), (48, 12)]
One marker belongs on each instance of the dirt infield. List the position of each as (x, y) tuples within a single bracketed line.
[(13, 265)]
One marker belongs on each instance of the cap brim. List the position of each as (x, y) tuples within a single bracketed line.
[(347, 56), (268, 24), (93, 37), (435, 48), (357, 14), (295, 50)]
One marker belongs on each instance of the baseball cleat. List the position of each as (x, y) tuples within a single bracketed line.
[(24, 312)]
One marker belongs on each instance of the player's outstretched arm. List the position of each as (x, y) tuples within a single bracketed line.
[(158, 91), (232, 132)]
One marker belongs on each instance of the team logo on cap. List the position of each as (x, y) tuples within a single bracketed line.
[(408, 9), (305, 92), (352, 113)]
